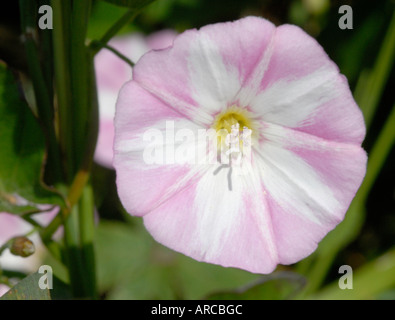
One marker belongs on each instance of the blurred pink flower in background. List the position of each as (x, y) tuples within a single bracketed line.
[(306, 163), (111, 73), (3, 289), (12, 226)]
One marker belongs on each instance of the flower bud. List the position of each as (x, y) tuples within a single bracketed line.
[(22, 246)]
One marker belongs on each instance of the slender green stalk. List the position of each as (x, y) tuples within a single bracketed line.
[(86, 211), (61, 43), (73, 254), (79, 227), (93, 116), (78, 132), (42, 95), (79, 234), (4, 247), (378, 155), (80, 73), (75, 192), (368, 281), (115, 51), (114, 29), (47, 232), (33, 222), (46, 49), (369, 92)]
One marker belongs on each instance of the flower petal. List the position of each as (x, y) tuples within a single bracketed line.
[(213, 222), (161, 39), (111, 74), (203, 70), (302, 89), (138, 112), (310, 183)]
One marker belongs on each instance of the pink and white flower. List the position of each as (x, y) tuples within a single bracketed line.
[(306, 157), (111, 74)]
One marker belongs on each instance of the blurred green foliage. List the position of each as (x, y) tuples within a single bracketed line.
[(22, 148), (131, 265)]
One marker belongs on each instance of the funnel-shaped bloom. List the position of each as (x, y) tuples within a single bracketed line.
[(278, 200)]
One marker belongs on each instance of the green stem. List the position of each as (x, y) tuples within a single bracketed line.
[(80, 73), (73, 254), (46, 49), (114, 29), (81, 274), (86, 208), (369, 92), (378, 155), (33, 222), (75, 192), (4, 247), (78, 132), (93, 116), (61, 43), (115, 51), (368, 281), (79, 236), (42, 96)]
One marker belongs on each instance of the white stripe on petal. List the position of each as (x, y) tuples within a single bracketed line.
[(251, 87), (211, 223), (148, 155), (214, 84), (222, 206), (292, 103), (293, 183), (218, 211), (195, 114)]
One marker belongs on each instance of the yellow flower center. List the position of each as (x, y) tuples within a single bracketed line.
[(227, 121), (231, 116)]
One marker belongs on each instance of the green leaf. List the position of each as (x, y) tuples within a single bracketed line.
[(369, 281), (29, 289), (22, 148), (132, 4), (277, 286), (131, 265)]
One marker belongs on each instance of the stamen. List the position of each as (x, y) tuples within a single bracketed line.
[(234, 131)]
